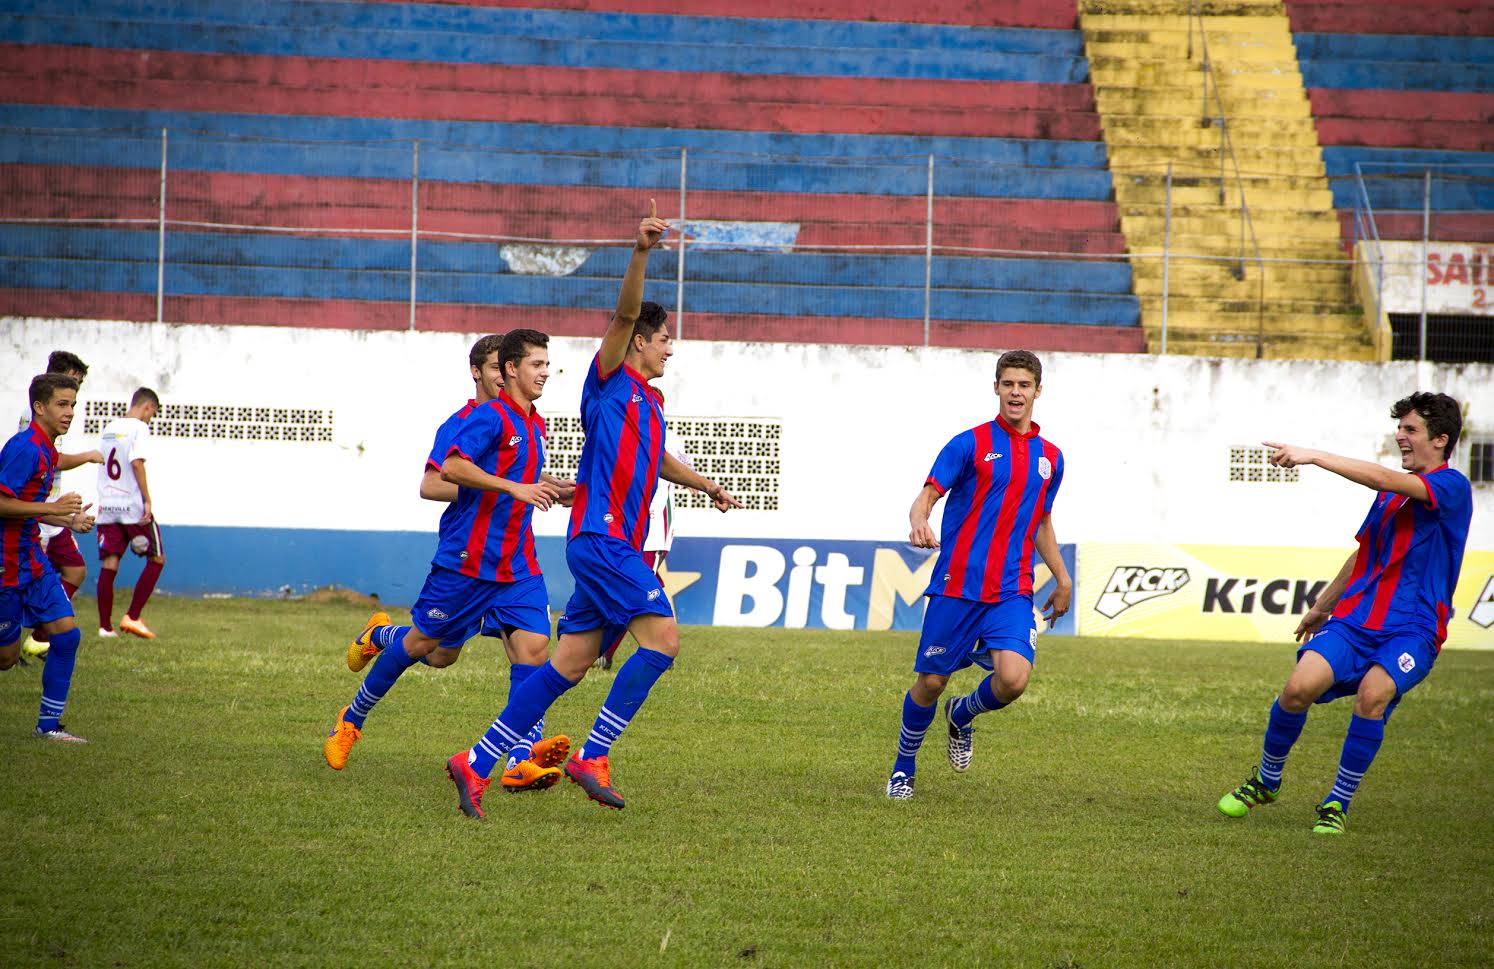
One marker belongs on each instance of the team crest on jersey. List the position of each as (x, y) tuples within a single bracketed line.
[(515, 439), (607, 518), (637, 398), (993, 456), (1406, 663), (1045, 468), (437, 614)]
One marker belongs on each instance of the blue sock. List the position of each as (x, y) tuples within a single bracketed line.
[(381, 676), (637, 676), (1361, 744), (526, 706), (518, 673), (916, 720), (1282, 730), (56, 677), (980, 700)]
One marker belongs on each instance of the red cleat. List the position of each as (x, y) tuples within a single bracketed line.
[(595, 778), (470, 787)]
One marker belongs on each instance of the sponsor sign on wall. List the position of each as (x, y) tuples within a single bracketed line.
[(1238, 592), (1459, 278)]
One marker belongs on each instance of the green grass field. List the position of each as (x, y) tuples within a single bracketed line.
[(200, 827)]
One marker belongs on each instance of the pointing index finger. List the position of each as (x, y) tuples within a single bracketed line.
[(653, 209)]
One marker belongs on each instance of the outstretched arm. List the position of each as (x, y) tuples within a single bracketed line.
[(1322, 608), (677, 471), (1047, 545), (67, 462), (922, 534), (630, 299), (1367, 473), (63, 509), (459, 471)]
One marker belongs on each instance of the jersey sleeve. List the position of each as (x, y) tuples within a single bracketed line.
[(1054, 484), (953, 463), (479, 437), (1448, 493), (439, 447), (140, 448), (17, 466)]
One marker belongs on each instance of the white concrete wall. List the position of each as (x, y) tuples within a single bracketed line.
[(1146, 438)]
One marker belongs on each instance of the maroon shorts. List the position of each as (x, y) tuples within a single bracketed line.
[(116, 539), (62, 552)]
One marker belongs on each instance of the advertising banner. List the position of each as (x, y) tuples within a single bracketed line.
[(815, 584), (1459, 278), (1241, 593)]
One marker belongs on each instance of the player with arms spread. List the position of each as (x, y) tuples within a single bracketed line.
[(127, 519), (621, 463), (1001, 479), (1377, 628)]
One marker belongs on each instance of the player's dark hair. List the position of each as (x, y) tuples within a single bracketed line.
[(145, 396), (1441, 412), (61, 361), (44, 387), (484, 348), (517, 344), (651, 316), (1020, 360)]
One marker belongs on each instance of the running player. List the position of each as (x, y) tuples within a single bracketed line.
[(31, 594), (621, 462), (127, 518), (1001, 479), (1377, 628), (485, 565)]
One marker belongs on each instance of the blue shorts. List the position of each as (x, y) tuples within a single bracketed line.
[(32, 604), (1351, 650), (613, 585), (452, 606), (959, 632)]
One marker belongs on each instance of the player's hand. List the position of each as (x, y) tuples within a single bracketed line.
[(82, 522), (922, 536), (1312, 621), (721, 498), (93, 457), (541, 494), (1058, 603), (651, 230), (68, 505), (1289, 455), (145, 514)]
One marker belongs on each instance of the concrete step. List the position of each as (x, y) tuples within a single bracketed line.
[(1262, 215), (1164, 74), (1227, 225), (1215, 13), (1251, 321), (1187, 99), (1279, 347), (1137, 190), (1326, 280), (1145, 130), (1149, 288), (1174, 47), (1254, 163)]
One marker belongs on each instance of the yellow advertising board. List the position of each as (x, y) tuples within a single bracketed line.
[(1235, 592)]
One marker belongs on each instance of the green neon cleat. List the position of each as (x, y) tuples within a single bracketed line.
[(1252, 793), (1332, 819)]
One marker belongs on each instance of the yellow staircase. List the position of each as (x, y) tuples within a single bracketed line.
[(1150, 95)]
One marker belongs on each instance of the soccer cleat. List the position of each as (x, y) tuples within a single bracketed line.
[(1252, 793), (961, 743), (135, 628), (107, 633), (34, 648), (900, 786), (59, 735), (340, 742), (1332, 819), (526, 775), (595, 778), (552, 751), (470, 788), (363, 648)]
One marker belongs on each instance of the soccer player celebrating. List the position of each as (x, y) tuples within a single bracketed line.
[(126, 517), (621, 463), (31, 595), (1376, 629), (485, 563), (1001, 479)]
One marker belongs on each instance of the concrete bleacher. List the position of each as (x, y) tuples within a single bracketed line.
[(301, 115)]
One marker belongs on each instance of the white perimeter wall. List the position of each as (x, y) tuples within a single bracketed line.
[(1146, 438)]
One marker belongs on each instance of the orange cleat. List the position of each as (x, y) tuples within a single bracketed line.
[(552, 751), (526, 775), (340, 742), (470, 788), (595, 778), (363, 649), (135, 628)]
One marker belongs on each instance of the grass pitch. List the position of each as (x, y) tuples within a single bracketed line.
[(200, 827)]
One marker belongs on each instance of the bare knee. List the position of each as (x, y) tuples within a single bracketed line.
[(441, 658), (74, 574), (927, 689)]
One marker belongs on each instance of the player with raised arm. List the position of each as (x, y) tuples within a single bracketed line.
[(485, 564), (127, 518), (621, 463), (1001, 479), (1377, 628), (31, 594)]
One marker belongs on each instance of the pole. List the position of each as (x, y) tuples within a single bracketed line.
[(161, 239), (679, 268), (1426, 231), (414, 223), (1166, 253), (928, 252)]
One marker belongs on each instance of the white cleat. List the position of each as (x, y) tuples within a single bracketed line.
[(108, 634), (961, 744), (60, 736), (900, 786)]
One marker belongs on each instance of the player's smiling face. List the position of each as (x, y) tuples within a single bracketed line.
[(655, 353), (1418, 453), (56, 415), (528, 376), (489, 378), (1017, 390)]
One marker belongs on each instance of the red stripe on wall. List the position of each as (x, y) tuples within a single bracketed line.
[(1468, 106), (1389, 133), (1448, 18)]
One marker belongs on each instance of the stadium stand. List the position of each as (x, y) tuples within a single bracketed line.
[(808, 130)]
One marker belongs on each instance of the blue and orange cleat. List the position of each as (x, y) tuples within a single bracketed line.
[(552, 751), (595, 778), (527, 775), (470, 788), (363, 649)]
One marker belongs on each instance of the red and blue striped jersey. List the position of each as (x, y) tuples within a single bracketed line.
[(485, 534), (623, 418), (1409, 556), (28, 463), (1000, 485), (445, 433)]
